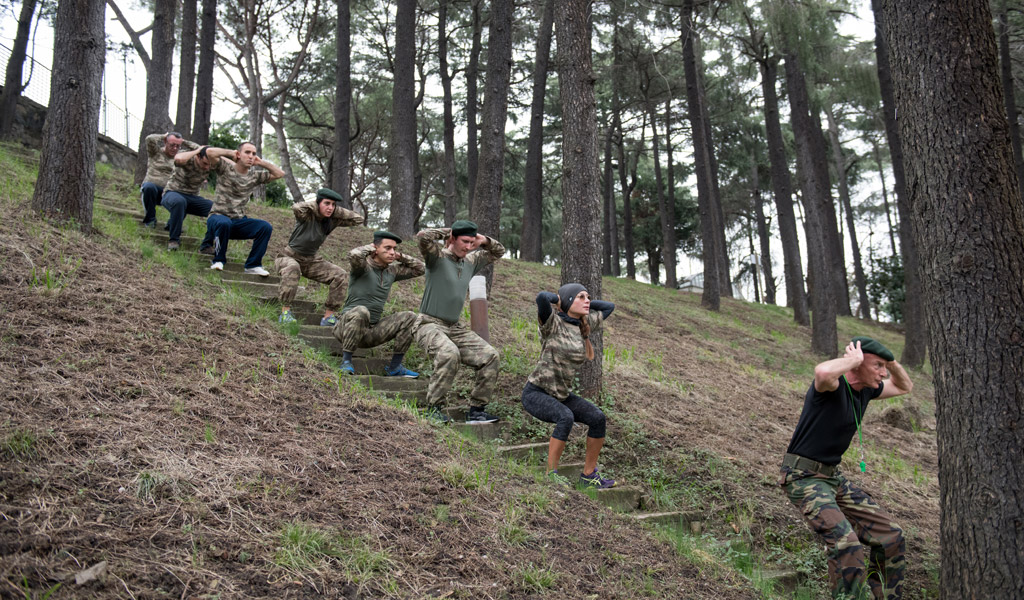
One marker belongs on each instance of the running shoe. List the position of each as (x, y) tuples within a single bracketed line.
[(207, 250), (330, 321), (400, 371), (348, 368), (286, 317), (478, 416), (217, 266), (594, 480), (257, 271), (173, 246)]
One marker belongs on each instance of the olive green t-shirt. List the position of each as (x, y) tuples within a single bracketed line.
[(369, 285), (448, 276), (311, 230)]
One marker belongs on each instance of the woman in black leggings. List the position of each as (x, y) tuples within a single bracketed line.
[(566, 320)]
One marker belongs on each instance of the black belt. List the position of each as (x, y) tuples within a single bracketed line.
[(806, 464)]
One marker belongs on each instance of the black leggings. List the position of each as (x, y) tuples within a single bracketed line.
[(545, 407)]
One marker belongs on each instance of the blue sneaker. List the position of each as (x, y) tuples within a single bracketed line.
[(596, 481), (348, 368), (330, 321), (400, 371), (286, 317)]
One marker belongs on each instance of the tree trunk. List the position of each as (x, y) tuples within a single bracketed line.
[(282, 149), (15, 64), (667, 237), (916, 338), (817, 205), (451, 197), (402, 154), (581, 219), (969, 227), (204, 78), (722, 246), (668, 213), (158, 80), (186, 68), (531, 247), (876, 151), (763, 235), (609, 209), (782, 188), (472, 75), (341, 157), (711, 297), (753, 261), (486, 207), (844, 197), (1009, 97), (627, 191), (837, 254), (67, 161)]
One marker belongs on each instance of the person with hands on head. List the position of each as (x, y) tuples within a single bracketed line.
[(450, 266), (181, 194), (161, 149), (314, 221), (373, 268), (566, 321), (236, 179), (854, 528)]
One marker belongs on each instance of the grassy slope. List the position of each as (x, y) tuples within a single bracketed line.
[(234, 462)]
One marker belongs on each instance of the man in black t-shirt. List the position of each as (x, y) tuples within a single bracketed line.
[(852, 525)]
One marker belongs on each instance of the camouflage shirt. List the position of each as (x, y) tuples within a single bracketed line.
[(160, 166), (187, 179), (234, 189), (562, 347)]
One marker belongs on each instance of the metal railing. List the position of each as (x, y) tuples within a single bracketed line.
[(115, 121)]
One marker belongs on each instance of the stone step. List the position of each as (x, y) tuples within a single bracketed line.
[(318, 330), (309, 318), (380, 383), (257, 288), (484, 432), (570, 471), (785, 581), (325, 343), (534, 452), (685, 521), (624, 498), (131, 212), (417, 397), (234, 275)]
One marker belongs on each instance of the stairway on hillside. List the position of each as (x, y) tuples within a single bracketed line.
[(629, 500)]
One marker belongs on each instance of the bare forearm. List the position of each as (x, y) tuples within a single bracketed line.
[(899, 377), (276, 172)]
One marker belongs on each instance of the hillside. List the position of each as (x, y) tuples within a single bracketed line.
[(161, 421)]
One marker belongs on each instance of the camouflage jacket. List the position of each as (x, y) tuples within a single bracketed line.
[(562, 347), (234, 189), (160, 166), (187, 179)]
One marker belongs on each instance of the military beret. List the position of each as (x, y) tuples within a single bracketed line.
[(385, 235), (871, 346), (462, 227), (328, 193)]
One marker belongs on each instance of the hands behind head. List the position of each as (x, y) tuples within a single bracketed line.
[(853, 351)]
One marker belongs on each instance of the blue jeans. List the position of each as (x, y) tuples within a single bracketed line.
[(225, 228), (179, 205), (151, 193)]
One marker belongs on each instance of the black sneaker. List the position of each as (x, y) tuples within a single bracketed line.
[(477, 416), (207, 250), (435, 415)]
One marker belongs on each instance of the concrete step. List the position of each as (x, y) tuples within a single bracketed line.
[(484, 432), (318, 330), (265, 290), (327, 344), (381, 383), (419, 397), (623, 498), (309, 318), (536, 452), (786, 580), (691, 522), (234, 275)]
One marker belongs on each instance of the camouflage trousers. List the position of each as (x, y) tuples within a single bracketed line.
[(354, 330), (448, 345), (865, 547), (291, 264)]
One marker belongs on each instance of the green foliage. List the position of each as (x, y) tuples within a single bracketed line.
[(885, 285), (19, 443), (302, 547)]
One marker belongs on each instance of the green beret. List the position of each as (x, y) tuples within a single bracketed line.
[(462, 227), (385, 235), (871, 346), (328, 193)]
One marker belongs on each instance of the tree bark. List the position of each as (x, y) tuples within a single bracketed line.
[(844, 196), (204, 78), (606, 195), (158, 80), (627, 191), (668, 213), (722, 246), (67, 161), (531, 247), (1009, 97), (711, 296), (581, 220), (402, 154), (15, 65), (837, 254), (969, 227), (782, 188), (916, 337), (472, 75), (451, 195), (877, 152), (186, 68), (627, 201), (763, 235), (282, 149), (486, 207), (341, 153), (817, 205), (668, 257)]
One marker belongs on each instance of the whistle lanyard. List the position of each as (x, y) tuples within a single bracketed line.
[(856, 419)]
